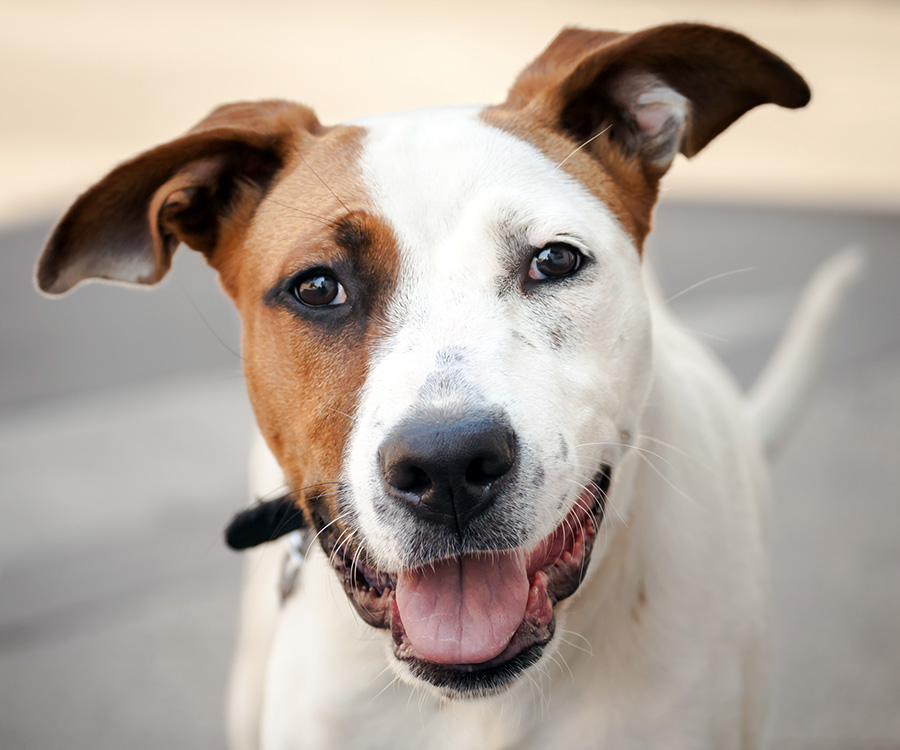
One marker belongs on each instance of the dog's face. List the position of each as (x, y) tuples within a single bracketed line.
[(446, 339)]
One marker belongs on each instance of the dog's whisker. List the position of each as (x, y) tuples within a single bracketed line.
[(669, 482), (283, 491), (422, 697), (336, 519), (637, 448), (560, 661), (386, 668), (319, 178), (309, 214), (297, 511), (551, 659), (716, 277), (338, 411), (285, 522), (608, 504), (337, 550), (544, 671), (409, 697), (539, 689), (383, 690), (206, 322), (583, 485), (677, 450), (706, 335), (576, 150), (563, 632), (354, 564)]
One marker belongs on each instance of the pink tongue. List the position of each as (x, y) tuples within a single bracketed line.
[(464, 610)]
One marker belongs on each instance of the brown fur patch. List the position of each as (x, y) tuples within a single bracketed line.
[(305, 372)]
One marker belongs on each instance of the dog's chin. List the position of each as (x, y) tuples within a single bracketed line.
[(554, 570)]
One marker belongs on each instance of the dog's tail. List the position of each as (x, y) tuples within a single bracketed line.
[(782, 387)]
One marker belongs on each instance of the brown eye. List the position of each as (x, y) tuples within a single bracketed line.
[(554, 261), (319, 289)]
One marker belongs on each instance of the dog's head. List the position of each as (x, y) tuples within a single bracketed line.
[(446, 339)]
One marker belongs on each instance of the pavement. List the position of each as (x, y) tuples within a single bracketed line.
[(123, 423)]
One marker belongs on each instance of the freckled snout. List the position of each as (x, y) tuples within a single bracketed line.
[(448, 466)]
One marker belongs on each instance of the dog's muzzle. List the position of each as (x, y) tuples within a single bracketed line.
[(470, 623)]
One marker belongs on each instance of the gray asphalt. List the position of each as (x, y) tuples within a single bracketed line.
[(123, 433)]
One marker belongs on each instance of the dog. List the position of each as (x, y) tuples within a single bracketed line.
[(535, 507)]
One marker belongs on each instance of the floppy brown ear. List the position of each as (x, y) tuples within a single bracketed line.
[(127, 226), (651, 94)]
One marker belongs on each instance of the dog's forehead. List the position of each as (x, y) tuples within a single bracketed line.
[(445, 174)]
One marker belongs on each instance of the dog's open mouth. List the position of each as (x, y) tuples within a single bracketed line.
[(470, 624)]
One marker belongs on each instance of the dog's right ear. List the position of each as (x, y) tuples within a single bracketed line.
[(198, 189), (653, 93)]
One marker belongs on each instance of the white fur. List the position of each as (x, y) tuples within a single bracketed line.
[(665, 645), (451, 188)]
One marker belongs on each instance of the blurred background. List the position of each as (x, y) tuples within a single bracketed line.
[(123, 424)]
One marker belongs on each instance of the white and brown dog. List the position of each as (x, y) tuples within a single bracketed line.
[(544, 501)]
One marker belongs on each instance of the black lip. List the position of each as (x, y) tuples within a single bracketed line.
[(478, 680)]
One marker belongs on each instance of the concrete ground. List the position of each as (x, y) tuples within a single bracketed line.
[(123, 424)]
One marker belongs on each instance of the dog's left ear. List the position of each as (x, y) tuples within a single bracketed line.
[(200, 189), (649, 95)]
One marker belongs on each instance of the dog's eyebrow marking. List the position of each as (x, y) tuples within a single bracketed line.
[(351, 233), (354, 249), (370, 246)]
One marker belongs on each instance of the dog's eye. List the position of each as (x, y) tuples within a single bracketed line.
[(554, 261), (319, 289)]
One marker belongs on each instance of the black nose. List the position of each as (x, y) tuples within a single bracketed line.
[(448, 466)]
